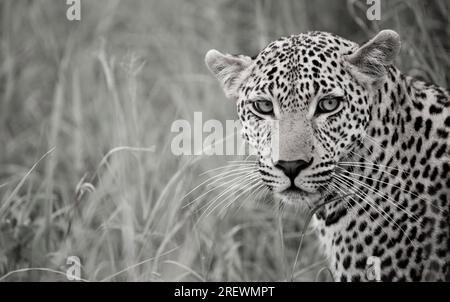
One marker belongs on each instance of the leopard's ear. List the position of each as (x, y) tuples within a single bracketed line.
[(371, 59), (228, 69)]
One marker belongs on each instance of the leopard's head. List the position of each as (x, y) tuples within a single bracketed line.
[(305, 102)]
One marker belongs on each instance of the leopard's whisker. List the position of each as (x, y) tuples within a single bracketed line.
[(236, 178), (227, 174), (382, 171), (384, 215), (365, 160), (371, 140), (382, 196), (243, 181), (377, 208), (242, 192), (332, 185), (362, 158), (353, 190), (374, 142), (393, 202), (400, 188), (362, 195), (368, 165), (361, 143), (218, 177), (248, 193), (213, 205), (346, 204)]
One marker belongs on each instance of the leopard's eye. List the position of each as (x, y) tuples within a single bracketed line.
[(263, 107), (328, 105)]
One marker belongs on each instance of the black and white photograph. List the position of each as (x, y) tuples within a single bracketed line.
[(241, 143)]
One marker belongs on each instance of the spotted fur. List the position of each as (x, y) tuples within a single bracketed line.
[(385, 152)]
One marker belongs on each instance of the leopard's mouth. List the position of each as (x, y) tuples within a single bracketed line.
[(296, 196), (293, 190)]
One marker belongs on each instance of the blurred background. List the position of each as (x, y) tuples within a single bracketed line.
[(82, 103)]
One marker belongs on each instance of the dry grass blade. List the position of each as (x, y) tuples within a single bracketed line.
[(111, 277), (37, 269), (305, 228), (11, 196)]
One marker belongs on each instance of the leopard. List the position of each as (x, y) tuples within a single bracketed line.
[(337, 126)]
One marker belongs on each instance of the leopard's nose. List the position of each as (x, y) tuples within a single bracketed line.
[(292, 168)]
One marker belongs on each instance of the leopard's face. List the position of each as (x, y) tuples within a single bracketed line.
[(302, 109)]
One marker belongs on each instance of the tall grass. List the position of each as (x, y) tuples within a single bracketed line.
[(86, 109)]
